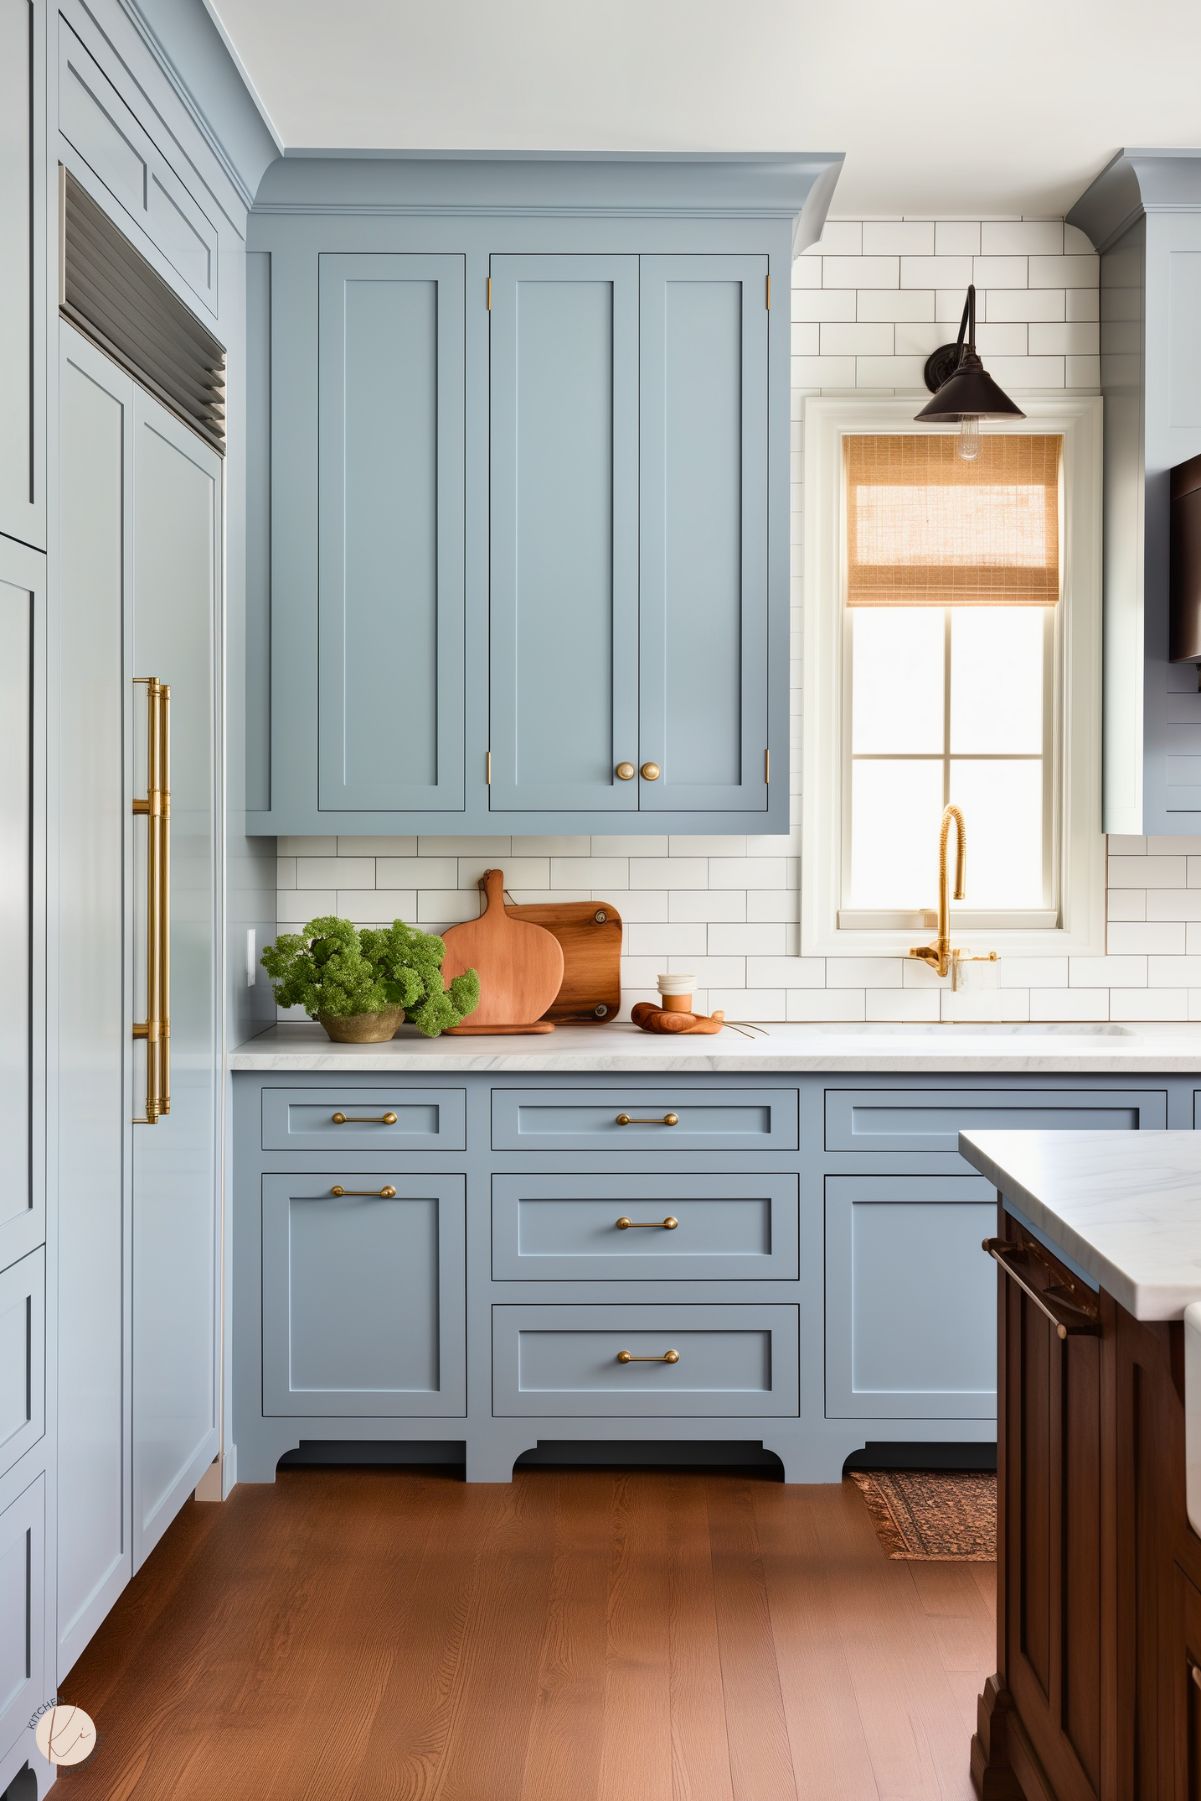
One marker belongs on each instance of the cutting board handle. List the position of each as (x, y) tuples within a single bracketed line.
[(492, 886)]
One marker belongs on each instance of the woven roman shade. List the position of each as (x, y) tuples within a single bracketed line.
[(926, 529)]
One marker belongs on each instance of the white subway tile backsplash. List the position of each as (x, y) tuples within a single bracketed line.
[(864, 272), (957, 237), (932, 272), (999, 272), (898, 237), (815, 305), (1021, 237), (895, 304), (335, 872), (868, 304)]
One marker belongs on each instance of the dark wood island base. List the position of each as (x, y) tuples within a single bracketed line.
[(1098, 1691)]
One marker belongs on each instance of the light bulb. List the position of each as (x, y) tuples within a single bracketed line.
[(968, 444)]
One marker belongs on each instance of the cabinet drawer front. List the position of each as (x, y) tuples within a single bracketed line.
[(22, 1611), (568, 1228), (911, 1299), (363, 1295), (924, 1120), (565, 1119), (96, 121), (384, 1119), (22, 1357), (563, 1361)]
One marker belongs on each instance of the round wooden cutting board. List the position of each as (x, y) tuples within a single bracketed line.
[(520, 966)]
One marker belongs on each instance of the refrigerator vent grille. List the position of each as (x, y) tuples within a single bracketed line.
[(112, 294)]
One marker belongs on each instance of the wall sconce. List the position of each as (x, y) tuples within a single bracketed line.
[(964, 393)]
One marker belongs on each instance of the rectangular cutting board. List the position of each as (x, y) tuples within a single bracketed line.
[(590, 933)]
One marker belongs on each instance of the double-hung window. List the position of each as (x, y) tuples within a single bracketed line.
[(952, 638)]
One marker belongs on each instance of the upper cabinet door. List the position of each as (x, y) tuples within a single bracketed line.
[(564, 533), (22, 287), (703, 533), (391, 526)]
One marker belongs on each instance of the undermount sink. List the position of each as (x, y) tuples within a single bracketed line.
[(964, 1028)]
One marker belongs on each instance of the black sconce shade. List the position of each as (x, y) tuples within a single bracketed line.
[(961, 386)]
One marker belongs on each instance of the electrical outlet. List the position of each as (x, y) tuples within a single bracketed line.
[(252, 961)]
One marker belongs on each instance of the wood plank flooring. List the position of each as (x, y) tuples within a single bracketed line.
[(378, 1635)]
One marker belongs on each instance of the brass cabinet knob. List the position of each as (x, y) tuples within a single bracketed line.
[(625, 772), (651, 772)]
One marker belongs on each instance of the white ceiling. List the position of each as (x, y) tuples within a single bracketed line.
[(996, 108)]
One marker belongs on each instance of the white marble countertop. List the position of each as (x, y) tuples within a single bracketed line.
[(780, 1049), (1124, 1207)]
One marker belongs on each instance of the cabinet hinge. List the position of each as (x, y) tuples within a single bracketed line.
[(488, 293), (488, 769), (767, 295), (767, 766)]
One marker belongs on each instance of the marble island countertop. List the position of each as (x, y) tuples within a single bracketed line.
[(779, 1049), (1123, 1207)]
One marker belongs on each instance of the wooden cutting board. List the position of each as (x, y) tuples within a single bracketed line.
[(520, 966), (590, 933)]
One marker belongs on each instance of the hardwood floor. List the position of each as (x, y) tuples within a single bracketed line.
[(372, 1635)]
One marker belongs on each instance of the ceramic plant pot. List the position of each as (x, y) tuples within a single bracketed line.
[(363, 1028)]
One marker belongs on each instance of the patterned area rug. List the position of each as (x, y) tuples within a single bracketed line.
[(928, 1516)]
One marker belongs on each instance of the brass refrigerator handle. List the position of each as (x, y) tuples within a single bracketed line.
[(155, 807), (1071, 1322)]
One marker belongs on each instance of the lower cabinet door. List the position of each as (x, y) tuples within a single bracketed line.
[(22, 1612), (1184, 1700), (22, 1357), (910, 1298), (1057, 1654), (364, 1280), (687, 1362)]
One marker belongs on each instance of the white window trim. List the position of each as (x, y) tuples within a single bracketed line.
[(1081, 927)]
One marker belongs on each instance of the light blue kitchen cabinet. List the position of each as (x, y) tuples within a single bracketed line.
[(807, 1246), (645, 1362), (528, 432), (22, 1357), (23, 1681), (703, 537), (22, 658), (138, 1227), (362, 1295), (390, 533), (564, 534), (23, 162), (910, 1301)]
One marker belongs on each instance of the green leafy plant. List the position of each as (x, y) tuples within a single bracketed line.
[(335, 969)]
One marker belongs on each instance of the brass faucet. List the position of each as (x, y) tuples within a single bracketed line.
[(938, 954)]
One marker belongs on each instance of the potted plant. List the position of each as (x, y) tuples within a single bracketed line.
[(361, 983)]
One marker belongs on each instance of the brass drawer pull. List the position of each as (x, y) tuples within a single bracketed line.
[(386, 1193), (355, 1119), (1069, 1318), (669, 1119), (625, 1224), (629, 1357)]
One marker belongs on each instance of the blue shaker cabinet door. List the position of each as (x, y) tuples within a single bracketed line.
[(391, 525), (703, 532), (364, 1278), (564, 533)]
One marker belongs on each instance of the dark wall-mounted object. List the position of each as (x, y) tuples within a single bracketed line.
[(1185, 564)]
